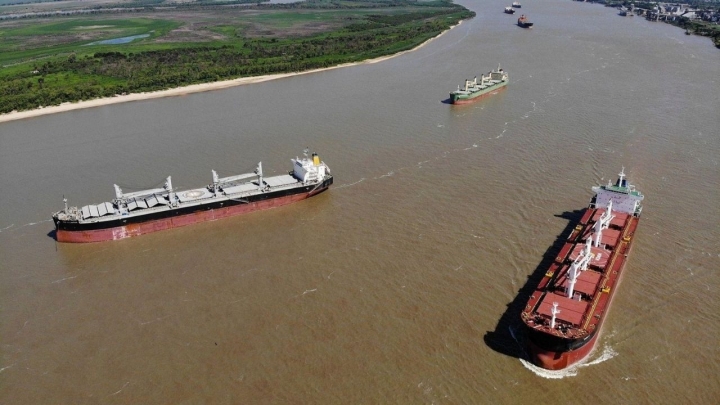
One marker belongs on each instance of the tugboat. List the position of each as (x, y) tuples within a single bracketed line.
[(509, 10), (523, 22)]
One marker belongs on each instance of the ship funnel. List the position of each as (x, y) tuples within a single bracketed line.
[(316, 159)]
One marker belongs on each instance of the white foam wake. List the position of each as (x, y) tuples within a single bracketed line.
[(606, 354)]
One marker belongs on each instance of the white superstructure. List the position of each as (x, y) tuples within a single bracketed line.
[(309, 170), (621, 196)]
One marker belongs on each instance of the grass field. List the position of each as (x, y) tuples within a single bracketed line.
[(27, 42), (7, 2), (47, 61)]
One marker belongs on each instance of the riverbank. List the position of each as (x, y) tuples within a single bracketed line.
[(196, 88)]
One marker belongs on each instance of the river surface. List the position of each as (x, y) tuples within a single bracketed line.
[(400, 284)]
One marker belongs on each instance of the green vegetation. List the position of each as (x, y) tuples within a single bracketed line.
[(65, 36), (52, 61), (694, 26)]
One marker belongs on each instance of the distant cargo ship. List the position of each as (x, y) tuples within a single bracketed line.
[(509, 10), (473, 90), (566, 310), (524, 22), (516, 4), (141, 212)]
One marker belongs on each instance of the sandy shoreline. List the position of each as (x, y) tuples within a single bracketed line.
[(195, 88)]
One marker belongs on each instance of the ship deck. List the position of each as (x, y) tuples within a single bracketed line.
[(148, 204), (571, 311), (586, 283), (590, 299)]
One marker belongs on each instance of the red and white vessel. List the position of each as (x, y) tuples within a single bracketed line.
[(141, 212), (566, 310)]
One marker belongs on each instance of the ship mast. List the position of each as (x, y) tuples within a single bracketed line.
[(621, 177), (258, 171), (118, 192), (554, 312), (171, 193), (216, 181), (603, 223), (579, 265)]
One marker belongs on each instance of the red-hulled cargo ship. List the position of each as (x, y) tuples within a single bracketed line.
[(141, 212), (565, 312)]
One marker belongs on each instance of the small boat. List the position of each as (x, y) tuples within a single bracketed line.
[(524, 22), (509, 10), (516, 4)]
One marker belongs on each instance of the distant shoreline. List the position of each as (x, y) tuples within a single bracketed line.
[(195, 88)]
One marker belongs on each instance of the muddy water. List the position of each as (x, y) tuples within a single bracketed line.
[(399, 284)]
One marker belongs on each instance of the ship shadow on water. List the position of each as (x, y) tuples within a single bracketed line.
[(446, 101), (507, 338)]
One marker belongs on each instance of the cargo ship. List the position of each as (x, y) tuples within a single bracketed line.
[(516, 4), (524, 22), (565, 312), (473, 90), (509, 10), (141, 212)]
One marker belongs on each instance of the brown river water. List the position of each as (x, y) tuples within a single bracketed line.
[(400, 285)]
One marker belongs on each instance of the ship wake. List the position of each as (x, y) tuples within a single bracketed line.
[(607, 353)]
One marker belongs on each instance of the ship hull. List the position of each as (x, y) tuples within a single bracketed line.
[(558, 360), (573, 351), (174, 218), (461, 99), (552, 352)]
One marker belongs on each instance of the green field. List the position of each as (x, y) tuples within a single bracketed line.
[(53, 60), (63, 37), (7, 2)]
